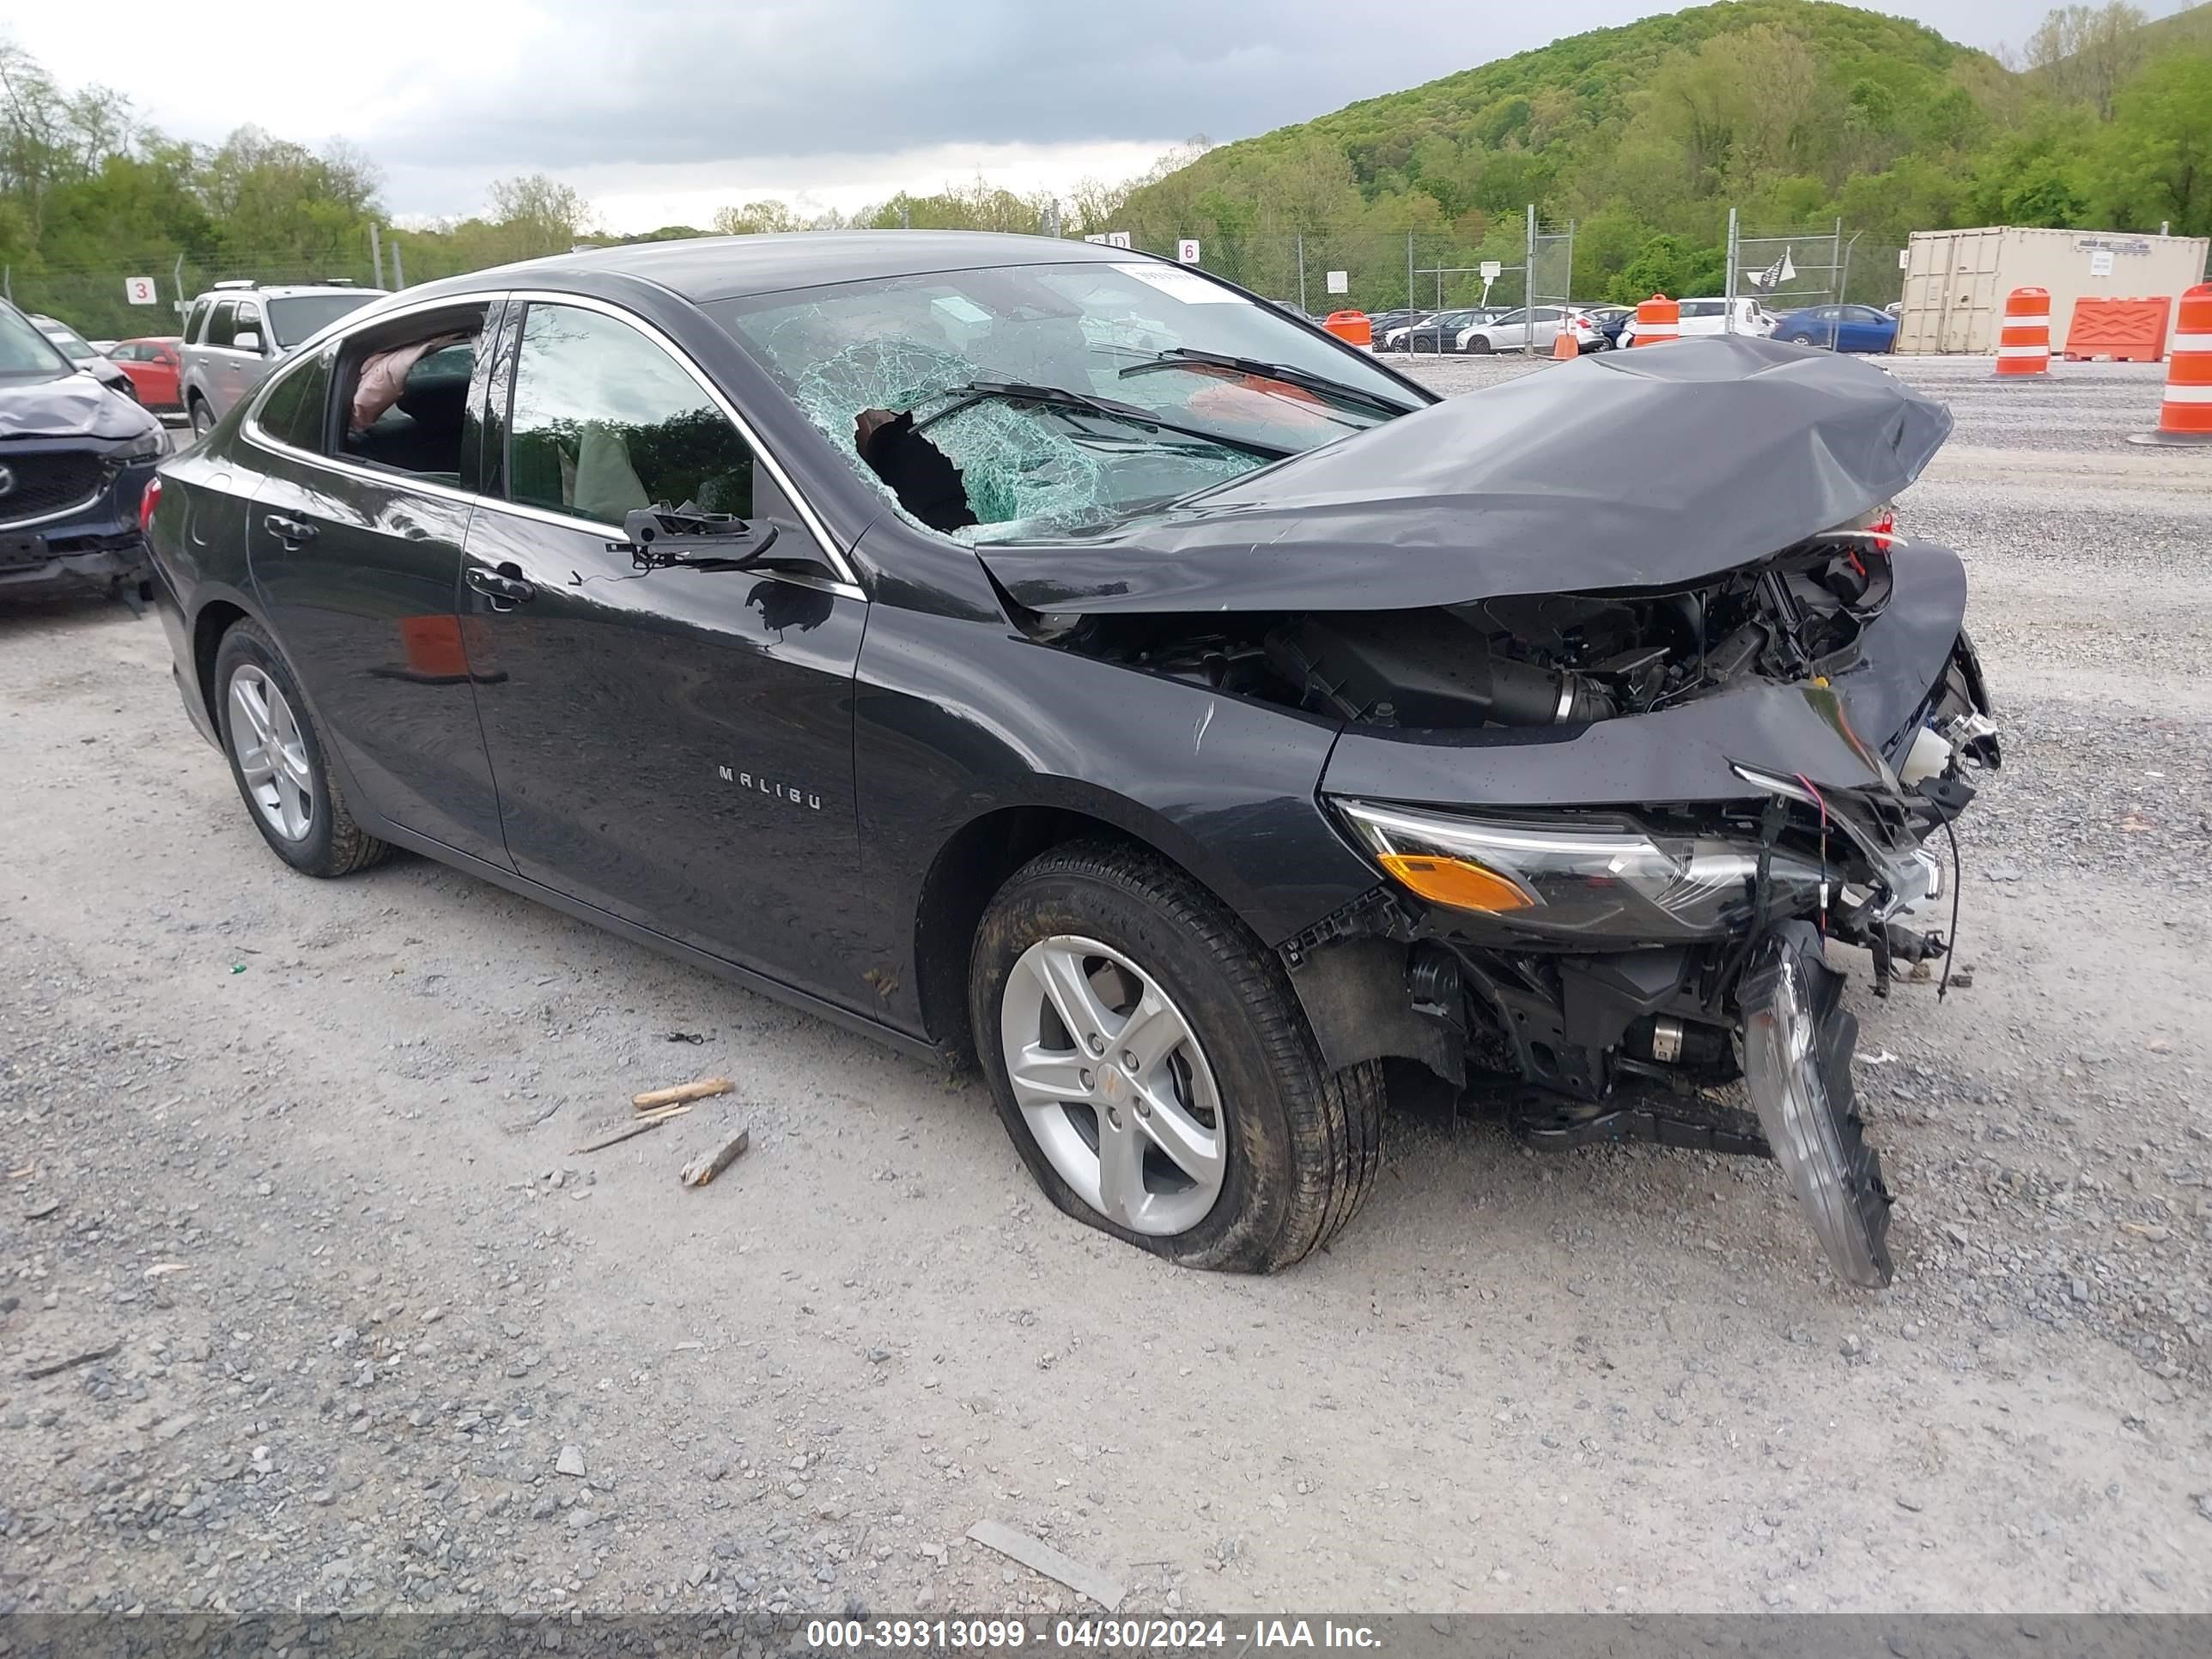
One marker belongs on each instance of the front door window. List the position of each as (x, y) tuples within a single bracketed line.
[(604, 422)]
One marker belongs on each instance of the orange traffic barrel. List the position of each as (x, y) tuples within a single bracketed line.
[(1658, 319), (2024, 342), (1564, 345), (1352, 327), (2185, 416)]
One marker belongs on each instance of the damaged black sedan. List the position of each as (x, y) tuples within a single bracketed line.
[(1037, 652)]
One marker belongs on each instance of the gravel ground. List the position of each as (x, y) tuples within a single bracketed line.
[(289, 1176)]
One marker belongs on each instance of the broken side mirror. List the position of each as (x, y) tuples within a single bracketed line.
[(661, 538)]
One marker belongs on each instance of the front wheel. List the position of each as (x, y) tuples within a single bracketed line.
[(277, 760), (1478, 346), (1152, 1062)]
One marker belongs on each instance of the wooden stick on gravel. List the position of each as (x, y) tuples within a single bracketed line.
[(699, 1090), (637, 1126), (703, 1168)]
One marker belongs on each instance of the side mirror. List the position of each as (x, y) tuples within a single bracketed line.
[(246, 339)]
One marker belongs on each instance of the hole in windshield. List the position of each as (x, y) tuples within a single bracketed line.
[(1026, 401)]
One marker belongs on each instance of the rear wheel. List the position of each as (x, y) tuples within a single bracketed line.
[(278, 761), (1153, 1065), (203, 418)]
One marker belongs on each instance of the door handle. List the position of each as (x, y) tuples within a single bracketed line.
[(290, 532), (505, 586)]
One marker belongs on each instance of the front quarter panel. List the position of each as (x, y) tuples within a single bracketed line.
[(957, 716)]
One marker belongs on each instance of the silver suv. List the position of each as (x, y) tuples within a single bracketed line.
[(237, 331)]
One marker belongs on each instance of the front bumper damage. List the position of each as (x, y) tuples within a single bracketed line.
[(1797, 1042), (1738, 1042)]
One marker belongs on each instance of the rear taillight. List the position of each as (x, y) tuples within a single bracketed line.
[(147, 501)]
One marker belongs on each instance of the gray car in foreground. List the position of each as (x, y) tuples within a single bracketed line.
[(237, 331)]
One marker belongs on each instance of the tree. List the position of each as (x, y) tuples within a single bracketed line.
[(548, 215), (755, 217), (2086, 53), (2155, 161)]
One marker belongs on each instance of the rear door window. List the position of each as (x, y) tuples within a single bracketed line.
[(295, 410), (222, 325), (604, 422)]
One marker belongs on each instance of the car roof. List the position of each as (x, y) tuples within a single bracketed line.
[(727, 267)]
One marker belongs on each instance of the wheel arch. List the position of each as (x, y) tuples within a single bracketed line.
[(974, 862), (214, 619)]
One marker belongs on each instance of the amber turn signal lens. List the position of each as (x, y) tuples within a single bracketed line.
[(1460, 882)]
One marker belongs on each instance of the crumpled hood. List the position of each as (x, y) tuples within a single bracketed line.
[(1648, 468), (69, 406)]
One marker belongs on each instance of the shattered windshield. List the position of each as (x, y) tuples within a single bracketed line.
[(919, 381)]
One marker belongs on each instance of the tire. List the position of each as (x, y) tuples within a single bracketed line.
[(1299, 1145), (1478, 345), (330, 844), (201, 417)]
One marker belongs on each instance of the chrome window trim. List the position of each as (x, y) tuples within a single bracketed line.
[(847, 585)]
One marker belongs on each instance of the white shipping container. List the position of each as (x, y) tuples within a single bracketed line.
[(1955, 281)]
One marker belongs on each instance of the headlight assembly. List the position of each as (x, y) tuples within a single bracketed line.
[(1589, 878), (147, 447)]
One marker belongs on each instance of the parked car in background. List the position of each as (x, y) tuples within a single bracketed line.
[(1382, 322), (1439, 332), (151, 366), (1524, 330), (82, 353), (75, 459), (1609, 320), (1707, 316), (237, 331), (1847, 328)]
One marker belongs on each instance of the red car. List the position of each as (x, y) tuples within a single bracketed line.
[(151, 366)]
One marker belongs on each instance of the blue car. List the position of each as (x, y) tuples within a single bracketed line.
[(1856, 328)]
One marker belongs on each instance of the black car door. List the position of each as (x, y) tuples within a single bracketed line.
[(357, 567), (674, 746)]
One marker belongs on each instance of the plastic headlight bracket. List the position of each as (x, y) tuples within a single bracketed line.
[(1797, 1043)]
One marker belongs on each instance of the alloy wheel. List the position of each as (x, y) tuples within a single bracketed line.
[(1114, 1085), (272, 756)]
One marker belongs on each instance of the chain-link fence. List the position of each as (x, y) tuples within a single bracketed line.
[(1318, 271), (101, 304), (149, 298)]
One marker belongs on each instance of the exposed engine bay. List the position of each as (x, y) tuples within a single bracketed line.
[(1522, 660), (1629, 755), (1607, 969)]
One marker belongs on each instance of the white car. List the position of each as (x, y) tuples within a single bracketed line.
[(1530, 330), (1711, 317)]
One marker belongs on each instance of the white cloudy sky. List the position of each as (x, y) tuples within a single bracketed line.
[(661, 112)]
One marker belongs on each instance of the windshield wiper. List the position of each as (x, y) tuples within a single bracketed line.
[(977, 391), (1185, 356)]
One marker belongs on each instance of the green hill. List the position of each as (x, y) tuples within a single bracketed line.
[(1794, 113)]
